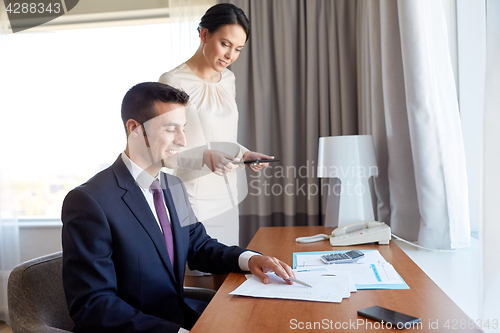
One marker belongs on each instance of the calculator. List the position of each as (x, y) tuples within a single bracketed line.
[(342, 258)]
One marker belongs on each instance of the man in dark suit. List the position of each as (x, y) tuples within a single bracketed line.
[(129, 231)]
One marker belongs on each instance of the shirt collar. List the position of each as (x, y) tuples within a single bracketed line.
[(141, 177)]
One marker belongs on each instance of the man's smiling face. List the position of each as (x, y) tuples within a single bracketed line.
[(165, 134)]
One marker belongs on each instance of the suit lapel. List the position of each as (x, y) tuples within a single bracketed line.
[(134, 198)]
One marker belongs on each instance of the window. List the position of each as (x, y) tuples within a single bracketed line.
[(61, 104)]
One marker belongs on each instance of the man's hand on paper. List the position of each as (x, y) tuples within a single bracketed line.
[(259, 265)]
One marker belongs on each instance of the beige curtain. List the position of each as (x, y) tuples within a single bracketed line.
[(319, 68), (295, 82)]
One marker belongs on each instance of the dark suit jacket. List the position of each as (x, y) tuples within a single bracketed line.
[(117, 274)]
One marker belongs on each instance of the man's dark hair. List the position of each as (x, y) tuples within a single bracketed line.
[(139, 102), (223, 14)]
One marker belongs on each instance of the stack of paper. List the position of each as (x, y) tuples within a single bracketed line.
[(330, 283), (370, 272), (365, 276), (326, 287)]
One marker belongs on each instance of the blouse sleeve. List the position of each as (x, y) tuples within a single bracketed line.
[(171, 80)]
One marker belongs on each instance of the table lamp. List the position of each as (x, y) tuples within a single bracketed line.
[(351, 158)]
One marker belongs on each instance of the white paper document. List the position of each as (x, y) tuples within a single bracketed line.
[(370, 272), (326, 287)]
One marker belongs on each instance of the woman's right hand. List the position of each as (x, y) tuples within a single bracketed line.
[(219, 162)]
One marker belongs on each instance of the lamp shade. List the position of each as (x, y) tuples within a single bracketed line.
[(340, 155), (350, 158)]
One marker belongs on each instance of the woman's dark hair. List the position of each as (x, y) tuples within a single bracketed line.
[(223, 14)]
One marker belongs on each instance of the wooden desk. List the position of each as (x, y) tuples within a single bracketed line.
[(424, 299)]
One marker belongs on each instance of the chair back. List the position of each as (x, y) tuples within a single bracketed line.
[(36, 297)]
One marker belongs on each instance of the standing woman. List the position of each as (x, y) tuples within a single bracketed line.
[(206, 166)]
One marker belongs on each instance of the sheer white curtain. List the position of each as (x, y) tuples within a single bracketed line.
[(9, 242), (9, 229), (489, 231), (407, 100)]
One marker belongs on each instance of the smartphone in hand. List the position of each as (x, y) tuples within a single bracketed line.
[(257, 161)]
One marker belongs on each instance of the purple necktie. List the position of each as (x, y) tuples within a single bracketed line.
[(163, 217)]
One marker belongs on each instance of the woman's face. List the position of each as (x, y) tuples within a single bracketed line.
[(223, 47)]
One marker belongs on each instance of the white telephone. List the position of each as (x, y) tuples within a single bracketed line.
[(360, 233)]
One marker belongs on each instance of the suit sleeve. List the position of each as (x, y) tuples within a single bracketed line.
[(204, 253), (208, 255), (89, 277)]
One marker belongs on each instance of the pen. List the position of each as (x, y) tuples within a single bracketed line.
[(256, 161), (296, 281)]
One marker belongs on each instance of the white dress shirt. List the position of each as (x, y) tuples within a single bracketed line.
[(144, 180)]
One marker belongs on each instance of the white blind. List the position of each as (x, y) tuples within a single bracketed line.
[(109, 13)]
